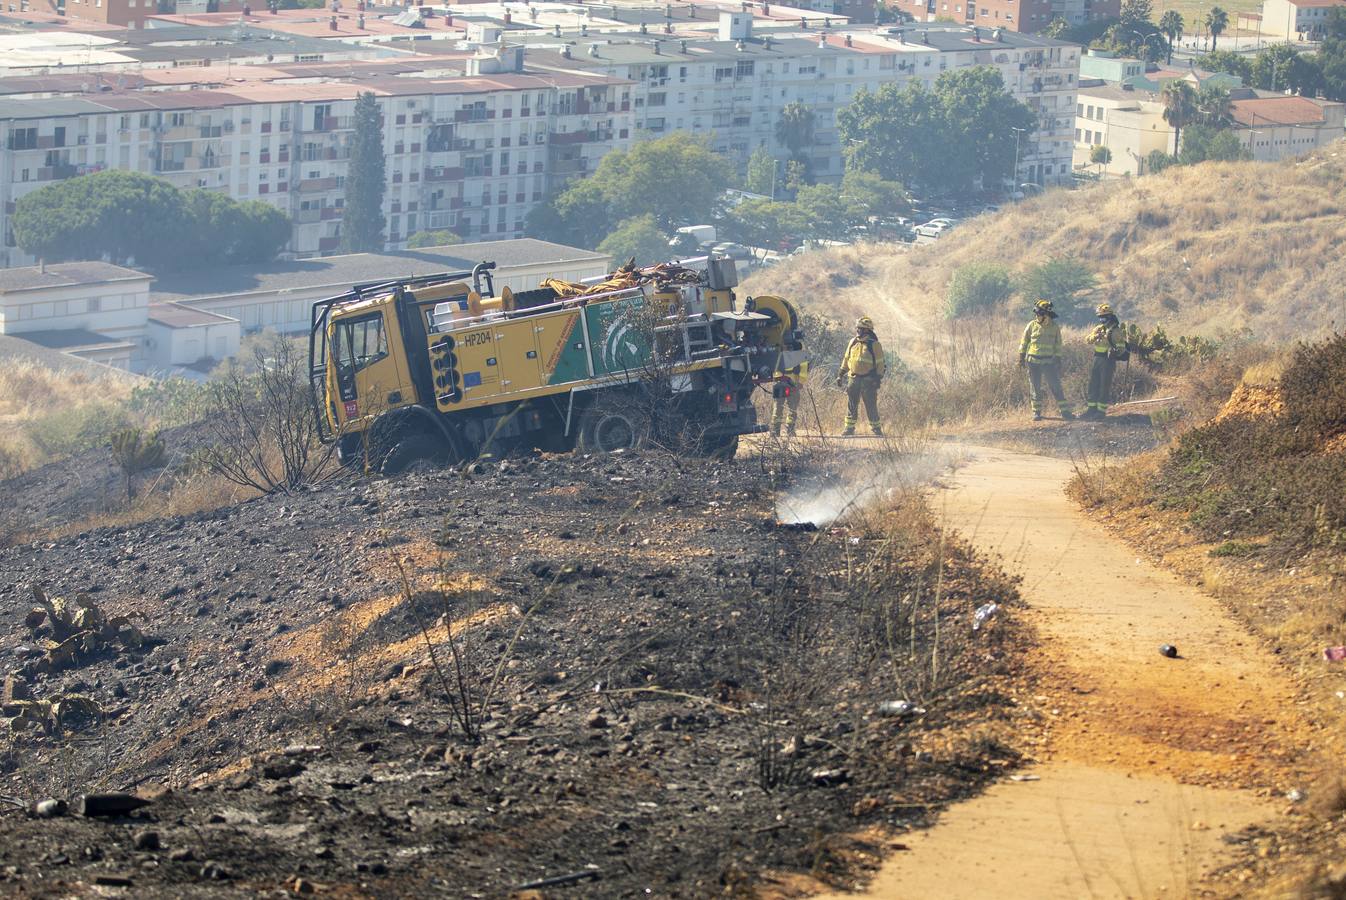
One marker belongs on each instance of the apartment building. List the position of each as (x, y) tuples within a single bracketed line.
[(477, 134), (1012, 15), (733, 88), (471, 153), (1296, 20)]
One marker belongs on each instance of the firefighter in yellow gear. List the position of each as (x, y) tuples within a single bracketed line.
[(1040, 351), (861, 373), (785, 397), (1109, 343)]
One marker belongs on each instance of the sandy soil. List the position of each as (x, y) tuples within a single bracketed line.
[(1155, 770)]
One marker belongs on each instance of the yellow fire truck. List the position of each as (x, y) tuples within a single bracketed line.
[(439, 368)]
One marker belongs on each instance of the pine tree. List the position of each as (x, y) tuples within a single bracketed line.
[(362, 227)]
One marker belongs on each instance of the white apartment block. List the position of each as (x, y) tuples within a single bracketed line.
[(476, 135), (733, 89), (471, 153)]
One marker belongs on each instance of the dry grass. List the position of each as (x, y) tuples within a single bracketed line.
[(43, 411), (1205, 249)]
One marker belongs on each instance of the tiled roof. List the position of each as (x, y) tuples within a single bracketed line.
[(1277, 111)]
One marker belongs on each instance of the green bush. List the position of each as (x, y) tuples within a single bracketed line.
[(1064, 281), (74, 429), (170, 401), (977, 287)]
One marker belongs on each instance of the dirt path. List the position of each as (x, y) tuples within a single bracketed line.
[(1151, 762)]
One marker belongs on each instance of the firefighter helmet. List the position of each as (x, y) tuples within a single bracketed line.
[(865, 322), (1104, 309), (1043, 307)]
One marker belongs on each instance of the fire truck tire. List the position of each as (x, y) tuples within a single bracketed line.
[(608, 428), (722, 447), (416, 447)]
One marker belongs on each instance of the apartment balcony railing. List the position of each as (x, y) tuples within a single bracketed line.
[(317, 185)]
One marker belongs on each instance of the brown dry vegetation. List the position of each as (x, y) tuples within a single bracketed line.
[(1211, 248), (47, 412)]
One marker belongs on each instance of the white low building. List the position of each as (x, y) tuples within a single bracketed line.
[(179, 337), (93, 310)]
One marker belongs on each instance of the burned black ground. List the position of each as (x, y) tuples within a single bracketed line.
[(685, 696)]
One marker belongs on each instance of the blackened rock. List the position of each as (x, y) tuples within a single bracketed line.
[(148, 840), (114, 804), (1168, 650), (282, 768)]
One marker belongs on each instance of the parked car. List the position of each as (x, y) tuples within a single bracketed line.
[(934, 228)]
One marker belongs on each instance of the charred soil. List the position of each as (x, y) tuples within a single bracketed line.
[(617, 670)]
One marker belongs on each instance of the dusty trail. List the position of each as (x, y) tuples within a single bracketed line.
[(1150, 762)]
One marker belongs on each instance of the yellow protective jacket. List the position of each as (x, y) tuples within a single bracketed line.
[(1107, 336), (864, 356), (1042, 341)]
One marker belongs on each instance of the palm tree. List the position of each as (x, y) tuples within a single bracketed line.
[(1170, 25), (794, 128), (1217, 20), (1179, 107), (1213, 105)]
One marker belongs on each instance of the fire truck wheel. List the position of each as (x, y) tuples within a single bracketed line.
[(605, 430), (414, 449)]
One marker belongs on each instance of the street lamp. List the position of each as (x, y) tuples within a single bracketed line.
[(1014, 187)]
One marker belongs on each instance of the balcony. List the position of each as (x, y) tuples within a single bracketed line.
[(308, 216), (333, 123), (329, 213), (317, 185), (56, 172), (444, 173)]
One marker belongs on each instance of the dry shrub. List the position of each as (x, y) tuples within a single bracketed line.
[(1255, 247), (47, 413)]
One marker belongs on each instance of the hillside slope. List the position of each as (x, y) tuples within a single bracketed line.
[(1201, 249)]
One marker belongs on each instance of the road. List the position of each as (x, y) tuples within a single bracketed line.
[(1151, 762)]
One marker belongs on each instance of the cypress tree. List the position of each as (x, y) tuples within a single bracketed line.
[(362, 228)]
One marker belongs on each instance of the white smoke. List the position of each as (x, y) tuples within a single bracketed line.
[(866, 476)]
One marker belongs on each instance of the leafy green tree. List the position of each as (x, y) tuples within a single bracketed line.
[(866, 194), (1281, 67), (765, 223), (362, 222), (795, 128), (678, 179), (1217, 22), (423, 239), (131, 217), (828, 215), (1231, 63), (637, 238), (264, 232), (961, 131), (1157, 161), (1179, 98), (977, 287), (1100, 156), (1056, 29), (1063, 280), (578, 215), (1204, 143), (1331, 64), (1136, 12), (761, 172)]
